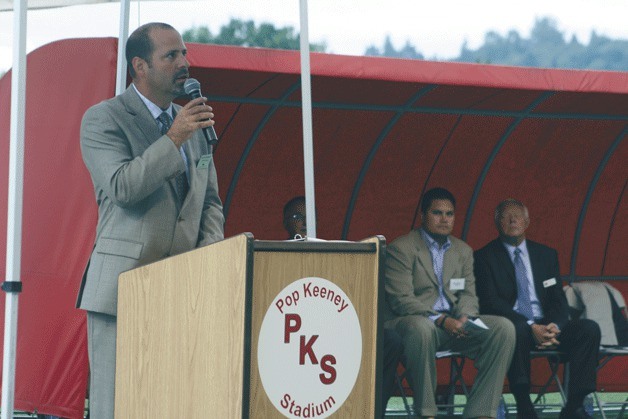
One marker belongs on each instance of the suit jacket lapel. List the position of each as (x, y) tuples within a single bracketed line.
[(505, 261), (535, 262), (142, 117), (425, 257)]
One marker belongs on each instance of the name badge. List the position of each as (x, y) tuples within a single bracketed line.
[(549, 282), (203, 163), (456, 284)]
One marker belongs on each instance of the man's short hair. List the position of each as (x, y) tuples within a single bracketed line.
[(433, 194), (291, 204), (506, 203), (140, 45)]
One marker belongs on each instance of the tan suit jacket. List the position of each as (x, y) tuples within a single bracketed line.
[(133, 168), (411, 285)]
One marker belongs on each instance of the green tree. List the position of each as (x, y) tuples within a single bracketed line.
[(247, 34), (388, 50), (546, 47)]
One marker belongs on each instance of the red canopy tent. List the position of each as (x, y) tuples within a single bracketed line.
[(385, 130)]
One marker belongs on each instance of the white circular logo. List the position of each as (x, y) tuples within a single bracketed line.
[(310, 349)]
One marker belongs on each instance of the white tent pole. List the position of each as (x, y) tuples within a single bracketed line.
[(306, 98), (13, 285), (125, 7)]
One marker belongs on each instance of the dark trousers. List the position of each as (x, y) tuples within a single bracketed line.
[(579, 339), (393, 349)]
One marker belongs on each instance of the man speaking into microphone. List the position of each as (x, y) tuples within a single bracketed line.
[(155, 185)]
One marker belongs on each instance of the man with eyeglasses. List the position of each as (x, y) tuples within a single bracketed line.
[(295, 224)]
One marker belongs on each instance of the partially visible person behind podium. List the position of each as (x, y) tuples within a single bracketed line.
[(520, 280), (295, 224), (431, 303), (294, 218), (155, 185)]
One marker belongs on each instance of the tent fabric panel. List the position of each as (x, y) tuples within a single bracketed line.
[(535, 166), (421, 157), (403, 70), (598, 254), (473, 99), (585, 105), (58, 207)]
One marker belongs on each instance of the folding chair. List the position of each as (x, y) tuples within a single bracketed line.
[(456, 366), (554, 359), (606, 354)]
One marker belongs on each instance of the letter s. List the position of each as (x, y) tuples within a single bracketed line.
[(326, 363), (285, 400)]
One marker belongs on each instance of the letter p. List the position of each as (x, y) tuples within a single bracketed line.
[(291, 325)]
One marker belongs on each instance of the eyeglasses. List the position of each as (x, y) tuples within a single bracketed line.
[(297, 217)]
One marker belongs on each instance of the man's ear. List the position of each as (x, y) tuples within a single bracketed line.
[(139, 65)]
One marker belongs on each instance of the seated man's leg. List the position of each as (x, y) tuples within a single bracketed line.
[(519, 372), (420, 338), (580, 339), (393, 349), (492, 352)]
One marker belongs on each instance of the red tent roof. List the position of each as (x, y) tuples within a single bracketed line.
[(385, 130)]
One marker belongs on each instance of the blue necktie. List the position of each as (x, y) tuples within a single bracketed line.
[(181, 180), (524, 306)]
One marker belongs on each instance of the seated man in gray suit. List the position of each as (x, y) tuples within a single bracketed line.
[(520, 279), (430, 291), (155, 185)]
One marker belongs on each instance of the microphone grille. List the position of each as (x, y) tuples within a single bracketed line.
[(191, 85)]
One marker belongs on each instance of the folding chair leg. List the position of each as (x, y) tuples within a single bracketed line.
[(404, 398)]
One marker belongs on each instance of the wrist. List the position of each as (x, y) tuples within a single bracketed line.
[(440, 322)]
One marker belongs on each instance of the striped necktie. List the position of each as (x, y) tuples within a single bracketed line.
[(181, 181)]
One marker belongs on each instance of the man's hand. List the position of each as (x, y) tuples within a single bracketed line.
[(193, 116), (545, 336), (455, 327)]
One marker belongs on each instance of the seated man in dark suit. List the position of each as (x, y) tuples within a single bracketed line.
[(520, 280), (295, 224)]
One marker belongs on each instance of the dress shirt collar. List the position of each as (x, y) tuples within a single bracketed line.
[(511, 249), (152, 108), (433, 244)]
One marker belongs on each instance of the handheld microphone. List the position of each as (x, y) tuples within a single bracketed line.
[(193, 89)]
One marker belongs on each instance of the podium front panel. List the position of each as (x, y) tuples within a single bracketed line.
[(183, 335), (314, 329)]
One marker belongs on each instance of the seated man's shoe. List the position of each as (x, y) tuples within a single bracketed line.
[(579, 413)]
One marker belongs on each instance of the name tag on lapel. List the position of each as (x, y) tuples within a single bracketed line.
[(456, 284), (203, 163), (549, 282)]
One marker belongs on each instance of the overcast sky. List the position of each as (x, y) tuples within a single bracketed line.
[(437, 28)]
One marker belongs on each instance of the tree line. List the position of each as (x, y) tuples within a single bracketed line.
[(546, 46)]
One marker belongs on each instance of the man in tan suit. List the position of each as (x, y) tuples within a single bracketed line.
[(431, 303), (155, 185)]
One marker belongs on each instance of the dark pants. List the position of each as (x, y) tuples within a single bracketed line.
[(579, 339), (393, 349)]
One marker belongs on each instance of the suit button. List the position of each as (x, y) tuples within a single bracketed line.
[(181, 219)]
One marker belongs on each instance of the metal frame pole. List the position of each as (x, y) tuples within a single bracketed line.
[(13, 285), (308, 149)]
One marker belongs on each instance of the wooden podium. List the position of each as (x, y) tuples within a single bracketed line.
[(189, 330)]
